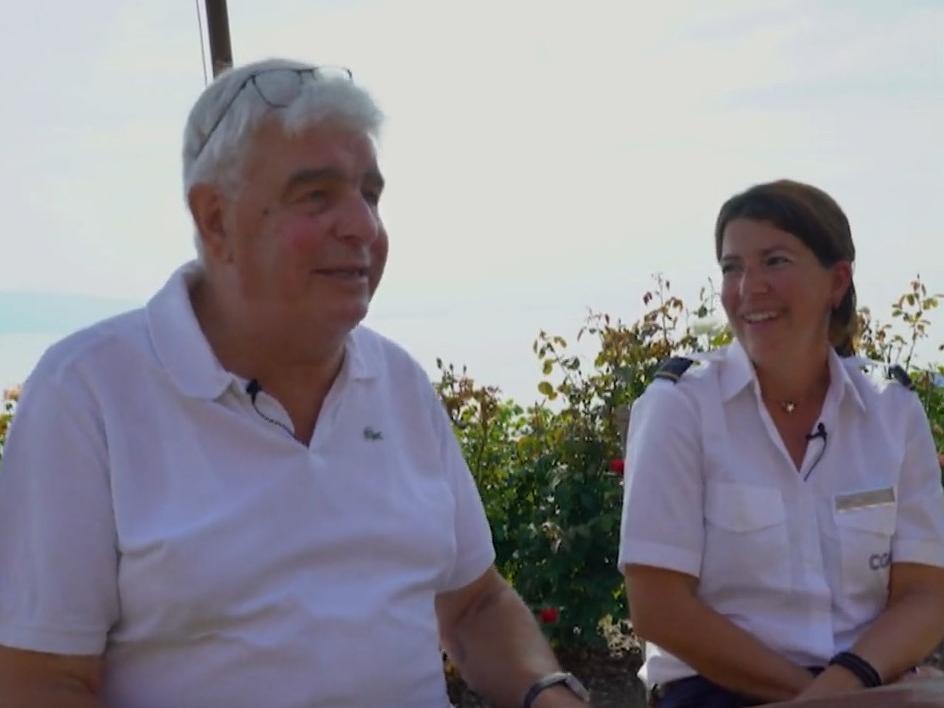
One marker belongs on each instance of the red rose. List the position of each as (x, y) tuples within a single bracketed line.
[(549, 615), (616, 466)]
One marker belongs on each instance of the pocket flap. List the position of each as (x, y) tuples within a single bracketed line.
[(877, 519), (743, 507)]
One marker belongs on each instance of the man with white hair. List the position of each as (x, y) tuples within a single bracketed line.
[(237, 495)]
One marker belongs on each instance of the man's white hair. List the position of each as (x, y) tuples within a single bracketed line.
[(215, 156)]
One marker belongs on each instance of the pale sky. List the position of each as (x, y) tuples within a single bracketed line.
[(542, 158)]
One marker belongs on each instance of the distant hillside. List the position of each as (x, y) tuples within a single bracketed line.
[(24, 313)]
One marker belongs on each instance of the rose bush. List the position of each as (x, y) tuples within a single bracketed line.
[(7, 409), (550, 474)]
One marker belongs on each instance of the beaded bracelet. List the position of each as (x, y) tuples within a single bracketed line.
[(862, 669)]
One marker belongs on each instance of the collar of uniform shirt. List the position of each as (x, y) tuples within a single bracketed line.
[(738, 371)]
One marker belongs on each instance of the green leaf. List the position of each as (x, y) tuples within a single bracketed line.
[(545, 388)]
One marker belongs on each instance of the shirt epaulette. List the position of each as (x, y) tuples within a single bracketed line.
[(881, 371), (899, 374), (672, 369)]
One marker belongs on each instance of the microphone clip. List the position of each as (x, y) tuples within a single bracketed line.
[(820, 433), (253, 388)]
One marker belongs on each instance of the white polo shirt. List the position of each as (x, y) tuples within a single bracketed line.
[(149, 513), (799, 560)]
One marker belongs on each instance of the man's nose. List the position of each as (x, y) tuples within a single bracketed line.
[(358, 220)]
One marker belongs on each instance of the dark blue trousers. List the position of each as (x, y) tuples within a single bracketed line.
[(698, 692)]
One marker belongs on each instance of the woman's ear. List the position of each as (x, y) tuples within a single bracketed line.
[(841, 282)]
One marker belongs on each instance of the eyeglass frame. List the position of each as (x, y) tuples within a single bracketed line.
[(313, 70)]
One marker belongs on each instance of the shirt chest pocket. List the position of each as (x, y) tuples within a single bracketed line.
[(865, 540), (746, 543)]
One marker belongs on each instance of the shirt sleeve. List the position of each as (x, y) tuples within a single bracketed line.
[(475, 552), (663, 497), (58, 558), (919, 533)]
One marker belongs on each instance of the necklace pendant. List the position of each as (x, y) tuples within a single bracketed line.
[(788, 406)]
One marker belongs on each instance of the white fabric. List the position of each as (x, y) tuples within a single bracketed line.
[(148, 512), (712, 492)]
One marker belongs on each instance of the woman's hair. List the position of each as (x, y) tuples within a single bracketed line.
[(817, 220)]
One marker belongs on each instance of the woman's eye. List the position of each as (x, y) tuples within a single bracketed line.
[(728, 268), (776, 260)]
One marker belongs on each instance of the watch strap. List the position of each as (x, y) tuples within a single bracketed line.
[(558, 677)]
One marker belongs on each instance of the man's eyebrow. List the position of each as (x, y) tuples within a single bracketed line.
[(308, 175), (322, 174)]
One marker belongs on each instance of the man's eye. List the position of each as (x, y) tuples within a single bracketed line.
[(776, 260), (728, 268), (316, 195), (372, 196)]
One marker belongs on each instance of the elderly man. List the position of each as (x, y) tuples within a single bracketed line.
[(237, 496)]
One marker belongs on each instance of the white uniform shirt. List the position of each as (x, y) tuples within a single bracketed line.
[(799, 560), (147, 512)]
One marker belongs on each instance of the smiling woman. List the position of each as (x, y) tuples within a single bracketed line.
[(753, 578), (799, 213)]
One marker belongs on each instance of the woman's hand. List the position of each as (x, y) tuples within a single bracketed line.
[(920, 673)]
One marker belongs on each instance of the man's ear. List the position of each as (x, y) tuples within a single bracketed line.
[(207, 205), (842, 281)]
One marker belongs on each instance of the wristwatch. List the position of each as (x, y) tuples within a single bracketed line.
[(561, 677)]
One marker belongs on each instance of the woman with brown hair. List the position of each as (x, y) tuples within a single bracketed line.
[(783, 520)]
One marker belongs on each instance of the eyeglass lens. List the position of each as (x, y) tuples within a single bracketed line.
[(280, 88)]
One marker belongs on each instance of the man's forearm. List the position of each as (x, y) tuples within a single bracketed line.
[(500, 650), (47, 697), (31, 679)]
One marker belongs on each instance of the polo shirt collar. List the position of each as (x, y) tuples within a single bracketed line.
[(361, 354), (179, 342), (737, 372), (186, 355)]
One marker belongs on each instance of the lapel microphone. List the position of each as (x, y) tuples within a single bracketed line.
[(253, 388), (824, 436)]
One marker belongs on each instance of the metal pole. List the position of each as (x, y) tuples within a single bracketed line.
[(221, 52)]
